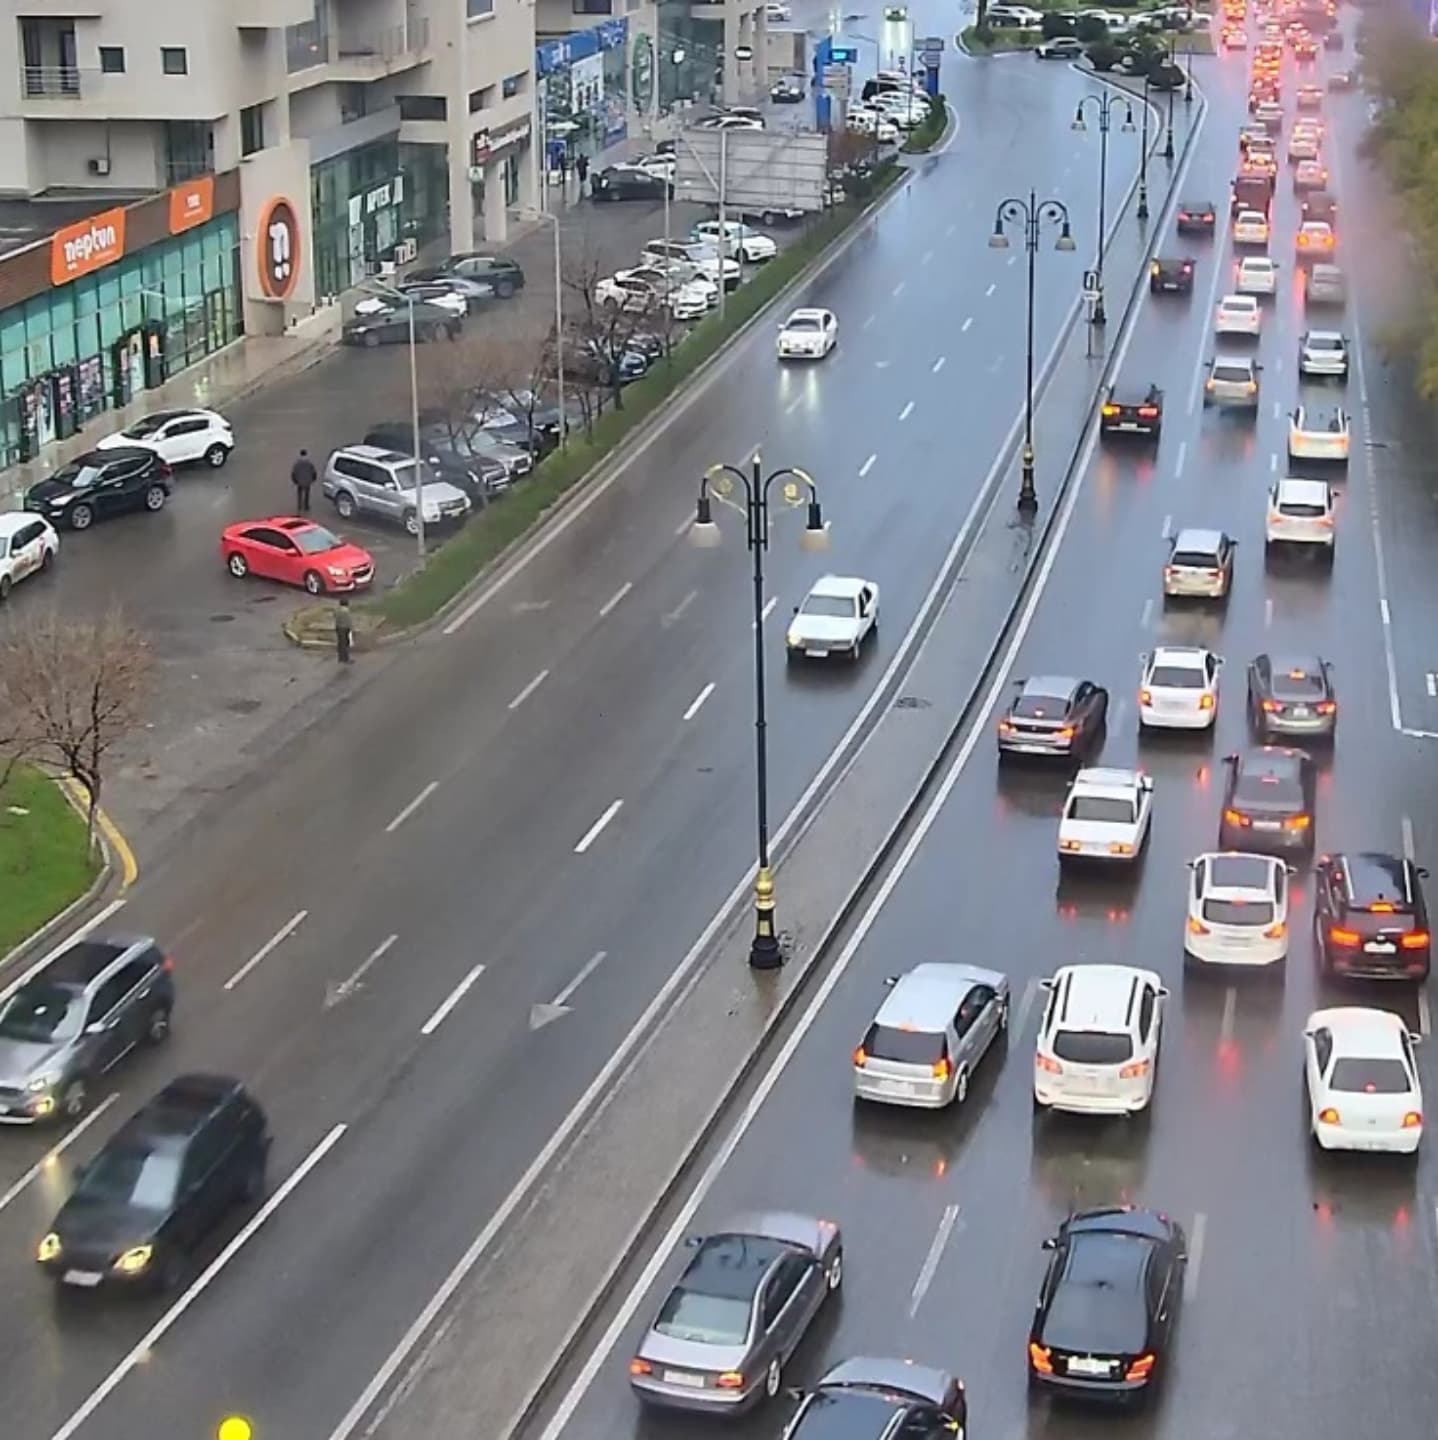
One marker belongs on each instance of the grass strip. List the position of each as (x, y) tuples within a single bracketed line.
[(45, 861), (925, 135)]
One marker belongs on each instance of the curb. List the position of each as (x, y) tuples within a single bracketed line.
[(824, 942)]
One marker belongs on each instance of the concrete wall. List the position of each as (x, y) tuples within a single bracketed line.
[(63, 150), (281, 171)]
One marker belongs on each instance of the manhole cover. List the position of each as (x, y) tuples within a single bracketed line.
[(912, 702), (243, 707), (264, 599), (221, 619)]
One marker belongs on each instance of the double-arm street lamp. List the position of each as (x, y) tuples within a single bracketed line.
[(1032, 214), (1105, 106), (1168, 138), (724, 483), (1143, 157)]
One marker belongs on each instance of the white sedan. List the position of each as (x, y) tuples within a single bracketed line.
[(1179, 689), (28, 545), (442, 297), (1257, 275), (808, 334), (1318, 435), (740, 241), (637, 292), (1323, 352), (1238, 315), (875, 123), (1106, 816), (838, 614), (1237, 910), (179, 437), (1250, 228), (1362, 1080)]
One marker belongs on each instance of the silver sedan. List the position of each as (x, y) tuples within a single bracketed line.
[(745, 1300)]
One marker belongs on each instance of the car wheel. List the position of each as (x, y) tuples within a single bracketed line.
[(834, 1272), (216, 455), (314, 583), (961, 1087), (371, 339), (81, 517), (74, 1098), (1003, 1017), (505, 289), (155, 499), (855, 650), (773, 1378), (47, 559), (157, 1027), (4, 587), (411, 522), (345, 504), (238, 566)]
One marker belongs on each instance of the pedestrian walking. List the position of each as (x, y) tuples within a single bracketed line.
[(344, 630), (581, 168), (302, 477)]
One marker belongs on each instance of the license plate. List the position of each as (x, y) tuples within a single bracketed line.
[(895, 1087), (86, 1279), (684, 1378), (1300, 712), (1380, 947), (816, 654), (1083, 1365), (1127, 425), (1267, 825)]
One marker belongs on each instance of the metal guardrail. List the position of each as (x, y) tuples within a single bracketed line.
[(63, 82)]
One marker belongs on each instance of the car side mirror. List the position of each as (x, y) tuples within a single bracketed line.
[(1050, 1244), (891, 980), (1163, 992), (1231, 758), (1309, 1034), (1421, 871), (794, 1392), (98, 1028), (796, 609), (1415, 1038), (1290, 869), (693, 1242)]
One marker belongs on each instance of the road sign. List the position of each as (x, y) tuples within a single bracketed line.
[(932, 42), (1090, 281), (844, 54), (837, 80)]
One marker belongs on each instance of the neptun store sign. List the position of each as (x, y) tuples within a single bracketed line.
[(86, 246)]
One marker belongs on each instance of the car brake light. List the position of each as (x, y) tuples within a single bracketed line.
[(1147, 412), (941, 1069), (1145, 697), (1197, 927), (1302, 240), (1327, 707), (861, 1058), (1234, 817), (1135, 1070), (168, 965), (1187, 268), (1413, 1119), (1039, 1359), (1271, 707), (1205, 702), (1070, 846), (1347, 938), (1141, 1368), (1329, 1116), (1380, 907), (1110, 410), (1298, 822), (638, 1366), (1048, 1066), (730, 1380), (1154, 268), (1415, 940), (1005, 728), (1067, 733), (1276, 931)]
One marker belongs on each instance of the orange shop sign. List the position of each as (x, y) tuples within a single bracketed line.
[(192, 204), (87, 245)]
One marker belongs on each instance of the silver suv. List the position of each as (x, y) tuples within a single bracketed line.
[(79, 1017), (363, 479)]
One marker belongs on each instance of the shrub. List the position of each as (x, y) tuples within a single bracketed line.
[(1091, 29), (1104, 55), (1056, 23)]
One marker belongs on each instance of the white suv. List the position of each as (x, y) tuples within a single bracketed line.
[(1237, 910), (179, 437), (1300, 512), (1097, 1050)]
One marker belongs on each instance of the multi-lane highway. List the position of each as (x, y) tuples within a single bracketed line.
[(555, 786), (1310, 1303)]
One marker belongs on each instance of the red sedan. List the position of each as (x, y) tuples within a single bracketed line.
[(297, 552)]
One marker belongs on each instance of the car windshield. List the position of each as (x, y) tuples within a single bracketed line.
[(1303, 509), (707, 1319), (1268, 792), (1324, 342), (1369, 1077), (79, 476), (1195, 559), (131, 1175), (4, 547), (908, 1047), (833, 607), (1093, 1047), (42, 1014), (1238, 912), (803, 322), (145, 427), (1105, 809), (1298, 684), (315, 541), (1177, 677), (1231, 374), (1041, 707)]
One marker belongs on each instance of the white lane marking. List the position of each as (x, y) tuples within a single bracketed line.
[(1432, 682), (698, 701), (1195, 1255), (794, 404), (899, 289), (1277, 409), (906, 411), (938, 365), (1013, 260), (78, 934), (1200, 372), (867, 323), (766, 612), (278, 938), (1278, 366), (683, 1220), (968, 320), (1230, 1014), (1425, 1015), (1273, 463), (1146, 619), (1268, 613), (677, 613), (1026, 1004), (926, 257), (619, 1056), (1182, 456), (529, 690), (152, 1337), (867, 466), (990, 290), (615, 598), (57, 1149), (597, 829), (450, 1001), (1120, 712), (1410, 850), (346, 988), (590, 966), (413, 805), (931, 1260), (1167, 531)]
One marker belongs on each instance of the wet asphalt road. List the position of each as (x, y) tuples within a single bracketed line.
[(331, 916), (1311, 1294)]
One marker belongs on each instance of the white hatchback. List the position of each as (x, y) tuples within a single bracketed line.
[(1250, 228), (1097, 1051), (1362, 1080), (1300, 512), (1323, 352), (1257, 275), (1237, 910), (1179, 689), (1238, 315), (28, 544), (1106, 816)]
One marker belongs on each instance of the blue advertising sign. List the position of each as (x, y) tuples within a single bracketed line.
[(849, 54)]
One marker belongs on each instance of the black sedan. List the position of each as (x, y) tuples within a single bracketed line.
[(1132, 410), (629, 182), (391, 327), (1292, 695), (1171, 274), (876, 1399), (1105, 1318), (1197, 217), (1053, 715), (1370, 919), (1268, 801), (101, 483)]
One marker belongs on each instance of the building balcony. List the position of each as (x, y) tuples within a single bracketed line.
[(269, 14), (56, 82), (361, 55), (69, 92)]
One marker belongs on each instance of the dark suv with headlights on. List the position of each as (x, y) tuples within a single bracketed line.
[(1370, 920)]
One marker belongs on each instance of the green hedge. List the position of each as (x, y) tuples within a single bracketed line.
[(423, 594), (924, 136)]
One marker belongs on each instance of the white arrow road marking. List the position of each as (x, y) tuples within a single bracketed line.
[(541, 1015), (931, 1260), (346, 988)]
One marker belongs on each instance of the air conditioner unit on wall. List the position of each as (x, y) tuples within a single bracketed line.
[(98, 165)]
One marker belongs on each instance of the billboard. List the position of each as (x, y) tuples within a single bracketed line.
[(760, 169)]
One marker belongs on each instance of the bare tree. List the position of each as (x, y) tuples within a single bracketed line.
[(72, 689), (602, 333)]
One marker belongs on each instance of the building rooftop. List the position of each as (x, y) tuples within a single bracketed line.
[(25, 219)]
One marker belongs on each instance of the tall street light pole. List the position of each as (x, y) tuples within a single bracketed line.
[(392, 296), (1168, 138), (551, 218), (1188, 80), (723, 483), (1143, 157), (1032, 214), (1104, 106)]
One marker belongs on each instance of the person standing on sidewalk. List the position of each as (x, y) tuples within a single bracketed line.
[(344, 630), (581, 169), (302, 477)]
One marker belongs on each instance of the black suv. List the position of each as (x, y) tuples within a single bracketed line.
[(500, 273), (629, 182), (162, 1182), (1171, 273), (79, 1017), (1197, 217), (1108, 1304), (1132, 410), (100, 483), (1369, 917)]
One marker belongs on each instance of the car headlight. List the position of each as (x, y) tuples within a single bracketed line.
[(49, 1248), (41, 1083), (134, 1260), (792, 640)]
